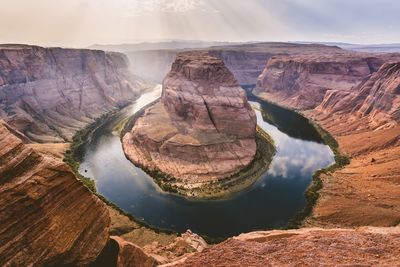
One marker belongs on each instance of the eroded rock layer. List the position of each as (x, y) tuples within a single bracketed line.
[(301, 81), (366, 124), (304, 247), (50, 93), (47, 216), (201, 130), (247, 61), (376, 100)]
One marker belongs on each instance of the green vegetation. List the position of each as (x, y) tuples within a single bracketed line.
[(223, 188), (312, 193), (75, 154)]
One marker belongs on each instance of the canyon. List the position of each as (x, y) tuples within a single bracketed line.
[(38, 210), (48, 94), (301, 81), (245, 61), (49, 218), (201, 131), (364, 119), (366, 125)]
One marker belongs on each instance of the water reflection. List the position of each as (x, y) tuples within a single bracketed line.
[(269, 203)]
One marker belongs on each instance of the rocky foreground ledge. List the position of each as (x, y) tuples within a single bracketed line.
[(368, 246), (201, 131)]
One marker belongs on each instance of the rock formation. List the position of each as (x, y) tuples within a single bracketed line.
[(201, 130), (301, 81), (245, 61), (131, 255), (376, 100), (50, 93), (365, 122), (304, 247), (47, 216)]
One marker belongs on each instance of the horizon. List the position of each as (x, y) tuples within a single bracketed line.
[(223, 43), (82, 23)]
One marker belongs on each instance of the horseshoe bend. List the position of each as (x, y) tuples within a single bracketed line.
[(201, 131), (177, 133)]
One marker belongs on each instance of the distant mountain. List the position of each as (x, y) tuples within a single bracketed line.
[(163, 45), (371, 48)]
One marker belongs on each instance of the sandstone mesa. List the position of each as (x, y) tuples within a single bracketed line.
[(202, 129)]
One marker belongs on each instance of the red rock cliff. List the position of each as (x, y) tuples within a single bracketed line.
[(376, 99), (50, 93), (301, 81), (202, 129), (47, 216)]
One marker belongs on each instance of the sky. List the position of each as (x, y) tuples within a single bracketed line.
[(80, 23)]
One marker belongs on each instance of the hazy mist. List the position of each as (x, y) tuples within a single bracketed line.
[(81, 23)]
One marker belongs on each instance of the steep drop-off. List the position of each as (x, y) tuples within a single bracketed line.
[(50, 93), (203, 129), (366, 124), (47, 216), (376, 100), (301, 81), (364, 120)]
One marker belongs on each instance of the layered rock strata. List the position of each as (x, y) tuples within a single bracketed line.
[(47, 216), (245, 61), (50, 93), (203, 129), (366, 124), (301, 81), (364, 120), (376, 100)]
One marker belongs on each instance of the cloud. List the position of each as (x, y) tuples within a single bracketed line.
[(140, 8)]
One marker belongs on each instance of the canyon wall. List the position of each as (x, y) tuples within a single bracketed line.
[(47, 216), (376, 100), (50, 93), (356, 98), (245, 61), (301, 81), (365, 122), (201, 130)]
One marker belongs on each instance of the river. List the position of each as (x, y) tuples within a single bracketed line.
[(270, 203)]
